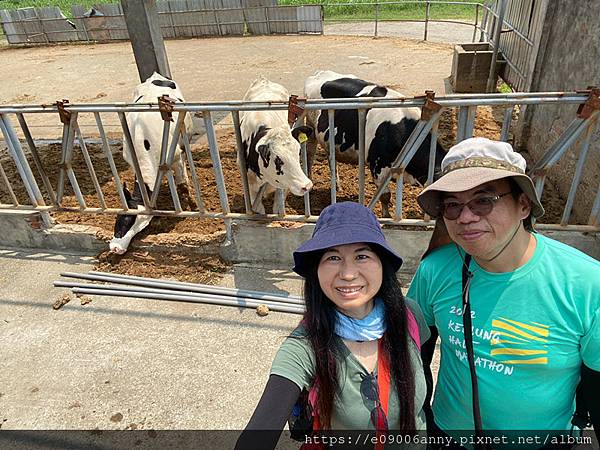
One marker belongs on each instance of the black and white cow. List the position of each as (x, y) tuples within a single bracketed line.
[(386, 129), (146, 130), (272, 149)]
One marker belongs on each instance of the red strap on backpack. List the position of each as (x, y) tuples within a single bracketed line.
[(383, 383)]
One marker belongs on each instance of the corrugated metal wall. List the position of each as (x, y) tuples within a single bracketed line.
[(520, 38), (37, 25), (178, 19)]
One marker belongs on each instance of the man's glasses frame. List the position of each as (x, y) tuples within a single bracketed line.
[(480, 206)]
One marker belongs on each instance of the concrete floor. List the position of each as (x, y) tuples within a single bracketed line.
[(120, 363)]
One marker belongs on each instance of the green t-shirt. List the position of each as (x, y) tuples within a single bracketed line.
[(295, 361), (532, 329)]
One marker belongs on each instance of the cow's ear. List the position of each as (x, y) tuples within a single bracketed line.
[(301, 134), (265, 154)]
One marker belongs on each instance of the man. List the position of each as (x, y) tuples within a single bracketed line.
[(534, 302)]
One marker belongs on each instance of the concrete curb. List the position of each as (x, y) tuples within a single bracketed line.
[(272, 243)]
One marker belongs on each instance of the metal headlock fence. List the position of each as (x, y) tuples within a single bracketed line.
[(51, 199)]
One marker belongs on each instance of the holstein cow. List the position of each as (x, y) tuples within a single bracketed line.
[(272, 150), (146, 133), (386, 129)]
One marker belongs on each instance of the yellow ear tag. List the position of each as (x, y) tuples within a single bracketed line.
[(302, 138)]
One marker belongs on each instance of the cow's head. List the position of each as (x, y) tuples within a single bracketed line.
[(127, 226), (279, 159)]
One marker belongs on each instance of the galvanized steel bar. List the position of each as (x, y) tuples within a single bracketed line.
[(491, 83), (463, 114), (36, 157), (214, 154), (279, 200), (318, 104), (508, 112), (585, 145), (171, 158), (432, 152), (194, 175), (211, 300), (20, 161), (475, 23), (90, 166), (136, 165), (111, 161), (362, 120), (470, 123), (66, 164), (66, 137), (241, 159), (289, 218), (162, 161), (539, 181), (562, 144), (8, 186), (484, 21), (182, 286), (219, 178), (399, 196), (305, 170), (376, 19), (332, 168), (68, 159), (594, 219), (427, 5)]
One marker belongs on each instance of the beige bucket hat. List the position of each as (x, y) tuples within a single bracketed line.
[(476, 161)]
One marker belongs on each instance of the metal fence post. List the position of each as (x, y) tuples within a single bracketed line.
[(475, 23), (16, 151), (491, 83), (376, 18), (426, 19)]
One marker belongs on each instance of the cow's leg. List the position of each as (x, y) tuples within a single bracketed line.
[(254, 187), (386, 195), (181, 180), (386, 202), (312, 147)]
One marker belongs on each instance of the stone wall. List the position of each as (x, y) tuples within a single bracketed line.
[(568, 60)]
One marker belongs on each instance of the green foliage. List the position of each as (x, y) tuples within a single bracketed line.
[(351, 9), (504, 88), (408, 10), (64, 5)]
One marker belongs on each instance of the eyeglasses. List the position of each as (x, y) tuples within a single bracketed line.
[(480, 206), (370, 391)]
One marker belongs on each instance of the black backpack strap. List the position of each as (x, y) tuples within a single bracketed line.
[(581, 417), (467, 325)]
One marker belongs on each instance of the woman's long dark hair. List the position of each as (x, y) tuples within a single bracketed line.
[(319, 321)]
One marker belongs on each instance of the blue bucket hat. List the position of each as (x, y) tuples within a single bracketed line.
[(343, 223)]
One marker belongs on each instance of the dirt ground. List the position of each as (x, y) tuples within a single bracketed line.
[(211, 69)]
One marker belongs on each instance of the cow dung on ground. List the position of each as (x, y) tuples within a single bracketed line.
[(184, 234)]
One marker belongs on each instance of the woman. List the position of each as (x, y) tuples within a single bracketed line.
[(354, 343)]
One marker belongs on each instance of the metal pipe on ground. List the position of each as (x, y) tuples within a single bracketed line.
[(212, 300), (182, 286), (117, 287)]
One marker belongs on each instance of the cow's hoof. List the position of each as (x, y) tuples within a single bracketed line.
[(116, 250), (185, 199)]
